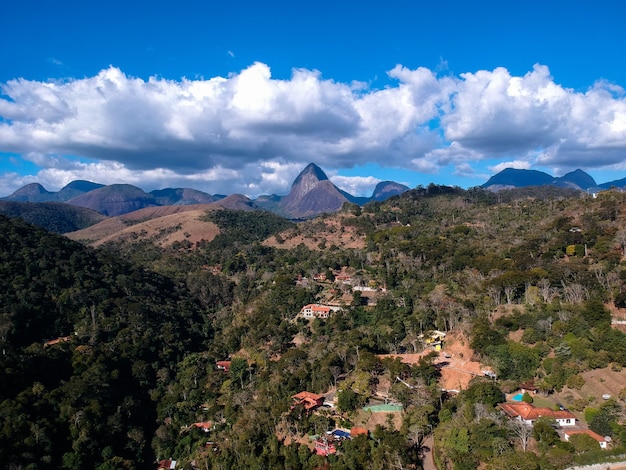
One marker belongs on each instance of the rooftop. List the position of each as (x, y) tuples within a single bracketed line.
[(527, 411)]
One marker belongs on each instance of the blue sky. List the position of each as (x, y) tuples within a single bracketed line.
[(238, 97)]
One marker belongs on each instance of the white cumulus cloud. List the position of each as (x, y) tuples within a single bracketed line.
[(251, 133), (517, 164)]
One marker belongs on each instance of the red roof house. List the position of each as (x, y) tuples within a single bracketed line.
[(528, 414), (223, 365), (308, 400), (325, 448), (206, 426)]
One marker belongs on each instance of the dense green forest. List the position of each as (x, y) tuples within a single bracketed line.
[(53, 216), (109, 355)]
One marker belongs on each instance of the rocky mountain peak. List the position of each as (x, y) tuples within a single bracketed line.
[(307, 180)]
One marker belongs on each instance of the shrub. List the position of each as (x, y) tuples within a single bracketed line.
[(575, 381)]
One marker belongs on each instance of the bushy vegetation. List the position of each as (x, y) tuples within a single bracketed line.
[(141, 329)]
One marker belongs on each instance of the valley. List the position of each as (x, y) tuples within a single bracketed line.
[(180, 333)]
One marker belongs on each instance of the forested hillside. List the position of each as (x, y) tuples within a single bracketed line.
[(530, 282), (89, 399), (53, 216)]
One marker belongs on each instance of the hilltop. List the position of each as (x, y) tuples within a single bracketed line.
[(161, 226)]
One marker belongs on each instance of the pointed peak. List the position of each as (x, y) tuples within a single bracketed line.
[(312, 172), (308, 179)]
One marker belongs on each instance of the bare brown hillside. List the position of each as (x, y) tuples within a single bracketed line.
[(598, 382), (318, 234), (163, 225), (455, 362)]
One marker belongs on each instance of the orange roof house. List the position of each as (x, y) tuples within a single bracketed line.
[(223, 365), (528, 414), (309, 400), (205, 426)]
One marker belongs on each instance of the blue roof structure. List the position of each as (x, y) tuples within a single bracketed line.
[(341, 434)]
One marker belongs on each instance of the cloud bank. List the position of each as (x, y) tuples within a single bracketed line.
[(251, 133)]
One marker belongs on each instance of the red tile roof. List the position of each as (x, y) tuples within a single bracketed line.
[(205, 426), (324, 448), (308, 400), (317, 308), (223, 365), (528, 412)]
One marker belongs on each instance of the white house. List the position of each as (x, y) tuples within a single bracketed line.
[(318, 311), (528, 414)]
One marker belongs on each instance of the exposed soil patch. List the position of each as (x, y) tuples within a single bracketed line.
[(598, 382), (319, 234), (369, 420), (162, 225), (455, 360)]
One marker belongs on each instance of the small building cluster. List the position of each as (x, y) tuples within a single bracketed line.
[(528, 414), (328, 444), (434, 340)]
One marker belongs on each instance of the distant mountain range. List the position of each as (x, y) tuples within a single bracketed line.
[(578, 179), (311, 194)]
